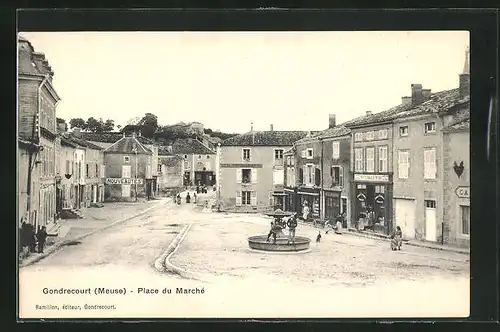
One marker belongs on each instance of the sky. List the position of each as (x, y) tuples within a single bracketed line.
[(228, 80)]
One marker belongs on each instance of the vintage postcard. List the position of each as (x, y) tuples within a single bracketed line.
[(243, 174)]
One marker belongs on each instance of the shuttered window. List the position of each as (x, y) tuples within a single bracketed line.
[(403, 164), (126, 171), (239, 175), (238, 198), (358, 157), (430, 168), (382, 159), (253, 198), (254, 175), (336, 150), (370, 160)]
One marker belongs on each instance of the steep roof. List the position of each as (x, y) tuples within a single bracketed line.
[(337, 131), (265, 138), (79, 141), (170, 160), (127, 145), (438, 101), (190, 146), (112, 137)]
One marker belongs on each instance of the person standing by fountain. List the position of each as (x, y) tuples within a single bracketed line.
[(292, 225), (305, 211), (272, 231)]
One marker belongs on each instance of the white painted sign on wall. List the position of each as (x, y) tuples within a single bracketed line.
[(124, 181)]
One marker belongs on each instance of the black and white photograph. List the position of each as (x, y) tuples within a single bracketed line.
[(240, 174)]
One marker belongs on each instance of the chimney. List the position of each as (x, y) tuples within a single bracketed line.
[(77, 132), (464, 78), (331, 121), (368, 113), (427, 94), (406, 100), (417, 95), (271, 128)]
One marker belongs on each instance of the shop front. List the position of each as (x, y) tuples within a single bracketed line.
[(332, 204), (279, 200), (312, 197), (372, 202)]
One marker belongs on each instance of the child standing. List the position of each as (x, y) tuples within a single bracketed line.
[(397, 239)]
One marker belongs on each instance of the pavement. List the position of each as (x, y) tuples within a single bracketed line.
[(342, 276)]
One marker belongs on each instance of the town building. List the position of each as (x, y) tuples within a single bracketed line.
[(27, 183), (199, 162), (128, 166), (321, 163), (106, 139), (289, 203), (65, 181), (429, 139), (37, 102), (252, 169), (170, 170)]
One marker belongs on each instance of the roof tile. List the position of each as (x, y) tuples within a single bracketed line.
[(127, 145), (265, 138), (190, 146)]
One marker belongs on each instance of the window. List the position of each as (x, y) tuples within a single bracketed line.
[(278, 176), (370, 160), (292, 161), (369, 135), (379, 189), (310, 153), (358, 137), (103, 171), (465, 218), (208, 157), (288, 161), (126, 159), (246, 154), (199, 157), (382, 159), (309, 174), (403, 131), (278, 157), (430, 169), (358, 157), (303, 153), (337, 173), (429, 204), (430, 127), (246, 197), (87, 170), (185, 156), (126, 171), (382, 134), (96, 171), (336, 150), (403, 164), (246, 175)]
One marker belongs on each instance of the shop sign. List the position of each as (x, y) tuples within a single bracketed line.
[(361, 197), (463, 192), (123, 181), (371, 177), (379, 199), (241, 165)]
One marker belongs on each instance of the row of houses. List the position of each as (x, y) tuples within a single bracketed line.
[(61, 172), (407, 166)]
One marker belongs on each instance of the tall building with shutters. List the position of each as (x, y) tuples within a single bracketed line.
[(251, 168), (321, 173)]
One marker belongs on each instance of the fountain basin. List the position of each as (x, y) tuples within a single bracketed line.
[(259, 242)]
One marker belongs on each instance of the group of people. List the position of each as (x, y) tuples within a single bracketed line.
[(278, 225), (30, 239), (178, 198)]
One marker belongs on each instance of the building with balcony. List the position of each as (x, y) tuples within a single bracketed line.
[(37, 102), (252, 169)]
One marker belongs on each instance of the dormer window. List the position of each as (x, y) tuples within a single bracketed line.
[(430, 127), (126, 159)]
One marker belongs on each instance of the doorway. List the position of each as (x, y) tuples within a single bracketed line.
[(405, 216), (430, 221)]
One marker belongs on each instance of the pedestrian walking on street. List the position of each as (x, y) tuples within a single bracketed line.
[(31, 238), (194, 198), (188, 198), (178, 198), (41, 236), (318, 238)]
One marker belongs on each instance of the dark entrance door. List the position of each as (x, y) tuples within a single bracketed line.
[(332, 205)]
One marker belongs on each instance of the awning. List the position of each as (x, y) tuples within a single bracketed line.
[(280, 194), (289, 190), (305, 193)]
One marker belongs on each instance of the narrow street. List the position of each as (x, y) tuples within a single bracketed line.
[(344, 276)]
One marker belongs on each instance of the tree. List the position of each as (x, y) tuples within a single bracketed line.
[(109, 125), (78, 123), (149, 125), (93, 125)]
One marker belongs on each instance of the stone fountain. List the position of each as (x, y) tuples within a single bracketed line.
[(282, 242)]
